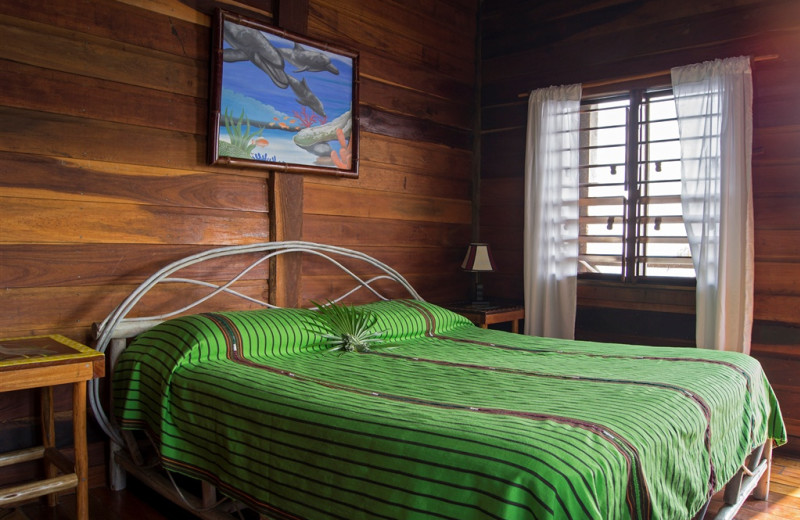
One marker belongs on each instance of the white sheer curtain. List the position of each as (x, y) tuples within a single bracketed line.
[(714, 104), (551, 211)]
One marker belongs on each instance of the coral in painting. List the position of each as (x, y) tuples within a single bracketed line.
[(344, 157), (308, 119), (264, 157)]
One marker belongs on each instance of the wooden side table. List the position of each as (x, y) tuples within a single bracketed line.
[(487, 314), (44, 362)]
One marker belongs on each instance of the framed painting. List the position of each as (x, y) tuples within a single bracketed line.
[(281, 101)]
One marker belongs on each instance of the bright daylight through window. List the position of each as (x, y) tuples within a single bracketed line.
[(631, 224)]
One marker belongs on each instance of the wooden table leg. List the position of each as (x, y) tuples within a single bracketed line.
[(49, 436), (81, 452)]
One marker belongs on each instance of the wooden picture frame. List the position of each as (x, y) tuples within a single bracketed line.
[(281, 101)]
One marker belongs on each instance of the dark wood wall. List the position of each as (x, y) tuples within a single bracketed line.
[(103, 172), (529, 45), (411, 205)]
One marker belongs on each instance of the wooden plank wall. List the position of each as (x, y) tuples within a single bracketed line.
[(103, 177), (103, 173), (528, 45), (411, 205)]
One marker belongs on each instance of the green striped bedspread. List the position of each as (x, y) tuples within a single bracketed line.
[(443, 420)]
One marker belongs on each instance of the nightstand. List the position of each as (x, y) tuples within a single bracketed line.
[(485, 314), (43, 362)]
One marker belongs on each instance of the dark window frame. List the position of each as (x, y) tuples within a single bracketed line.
[(631, 257)]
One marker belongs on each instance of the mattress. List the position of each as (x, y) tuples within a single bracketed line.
[(442, 420)]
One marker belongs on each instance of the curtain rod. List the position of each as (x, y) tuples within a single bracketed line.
[(603, 83)]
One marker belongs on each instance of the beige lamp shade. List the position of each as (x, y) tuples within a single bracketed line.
[(478, 258)]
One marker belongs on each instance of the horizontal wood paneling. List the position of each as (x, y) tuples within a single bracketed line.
[(36, 220), (776, 211), (398, 30), (420, 157), (98, 57), (439, 288), (34, 88), (648, 298), (141, 23), (355, 232), (344, 200), (417, 259), (777, 245), (502, 216), (43, 177), (393, 98), (385, 68), (411, 128), (503, 157), (404, 180), (771, 178), (55, 265), (44, 133), (416, 119), (778, 278), (779, 308), (616, 45), (68, 309), (776, 144)]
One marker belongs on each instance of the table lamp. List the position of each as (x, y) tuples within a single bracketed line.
[(478, 260)]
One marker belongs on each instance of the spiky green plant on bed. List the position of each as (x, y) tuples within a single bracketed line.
[(345, 328)]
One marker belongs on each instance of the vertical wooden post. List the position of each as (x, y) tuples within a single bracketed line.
[(81, 451), (48, 436), (286, 190)]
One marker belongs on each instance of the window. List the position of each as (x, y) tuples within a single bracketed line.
[(631, 224)]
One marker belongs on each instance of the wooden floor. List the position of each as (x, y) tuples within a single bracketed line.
[(784, 494), (139, 503)]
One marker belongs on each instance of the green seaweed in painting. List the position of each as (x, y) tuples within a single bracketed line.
[(240, 144)]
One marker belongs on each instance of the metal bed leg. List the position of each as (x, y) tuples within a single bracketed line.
[(209, 495), (752, 477), (116, 474), (761, 491)]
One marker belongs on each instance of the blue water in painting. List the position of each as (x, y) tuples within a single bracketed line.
[(248, 89)]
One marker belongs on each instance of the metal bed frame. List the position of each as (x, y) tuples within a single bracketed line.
[(114, 332)]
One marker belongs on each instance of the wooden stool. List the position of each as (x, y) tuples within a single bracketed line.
[(43, 362)]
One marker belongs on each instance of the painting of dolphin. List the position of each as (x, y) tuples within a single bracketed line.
[(305, 96), (281, 98), (249, 44), (308, 60)]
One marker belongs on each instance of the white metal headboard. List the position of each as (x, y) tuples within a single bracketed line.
[(117, 327)]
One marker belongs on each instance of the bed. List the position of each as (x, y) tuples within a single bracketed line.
[(442, 419)]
